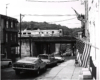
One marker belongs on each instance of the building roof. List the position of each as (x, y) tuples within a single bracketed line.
[(8, 17)]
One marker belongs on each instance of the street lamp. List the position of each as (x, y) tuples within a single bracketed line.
[(6, 8)]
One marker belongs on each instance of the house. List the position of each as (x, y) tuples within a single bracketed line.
[(88, 47), (9, 37)]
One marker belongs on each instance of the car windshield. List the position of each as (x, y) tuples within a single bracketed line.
[(43, 56)]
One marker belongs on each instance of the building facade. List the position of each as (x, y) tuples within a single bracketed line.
[(93, 27), (9, 37), (89, 46)]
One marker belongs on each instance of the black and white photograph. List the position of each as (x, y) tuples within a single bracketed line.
[(49, 39)]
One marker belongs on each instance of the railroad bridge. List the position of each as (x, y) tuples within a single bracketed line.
[(37, 45)]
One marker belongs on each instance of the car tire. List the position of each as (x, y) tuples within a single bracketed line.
[(17, 72), (55, 64)]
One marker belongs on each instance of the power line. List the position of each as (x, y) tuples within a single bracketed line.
[(53, 15), (46, 15), (50, 15), (51, 1), (67, 23), (64, 20)]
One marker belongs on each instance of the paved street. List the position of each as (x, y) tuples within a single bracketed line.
[(64, 71)]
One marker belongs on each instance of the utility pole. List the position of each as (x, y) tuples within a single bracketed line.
[(20, 35), (21, 16)]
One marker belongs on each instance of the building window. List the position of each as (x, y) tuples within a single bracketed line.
[(6, 37), (7, 24), (16, 25), (11, 24), (24, 33), (4, 23)]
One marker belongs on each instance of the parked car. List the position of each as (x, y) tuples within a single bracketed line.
[(59, 58), (48, 59), (6, 62), (29, 64)]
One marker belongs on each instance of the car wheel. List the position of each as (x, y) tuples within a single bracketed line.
[(17, 72), (9, 64), (38, 71)]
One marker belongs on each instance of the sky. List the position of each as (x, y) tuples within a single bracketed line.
[(26, 7)]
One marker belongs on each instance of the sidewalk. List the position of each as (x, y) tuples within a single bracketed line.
[(64, 71)]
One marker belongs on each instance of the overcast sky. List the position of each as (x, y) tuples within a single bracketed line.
[(15, 7)]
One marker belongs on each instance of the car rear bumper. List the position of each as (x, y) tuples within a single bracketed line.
[(60, 60), (26, 69), (51, 64)]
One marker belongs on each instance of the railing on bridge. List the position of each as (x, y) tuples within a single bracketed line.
[(83, 55)]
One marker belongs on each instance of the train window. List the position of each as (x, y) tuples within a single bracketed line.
[(29, 33), (24, 33)]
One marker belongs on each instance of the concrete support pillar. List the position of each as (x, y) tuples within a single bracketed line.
[(48, 48), (52, 48), (34, 49), (30, 46), (57, 48), (39, 49)]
